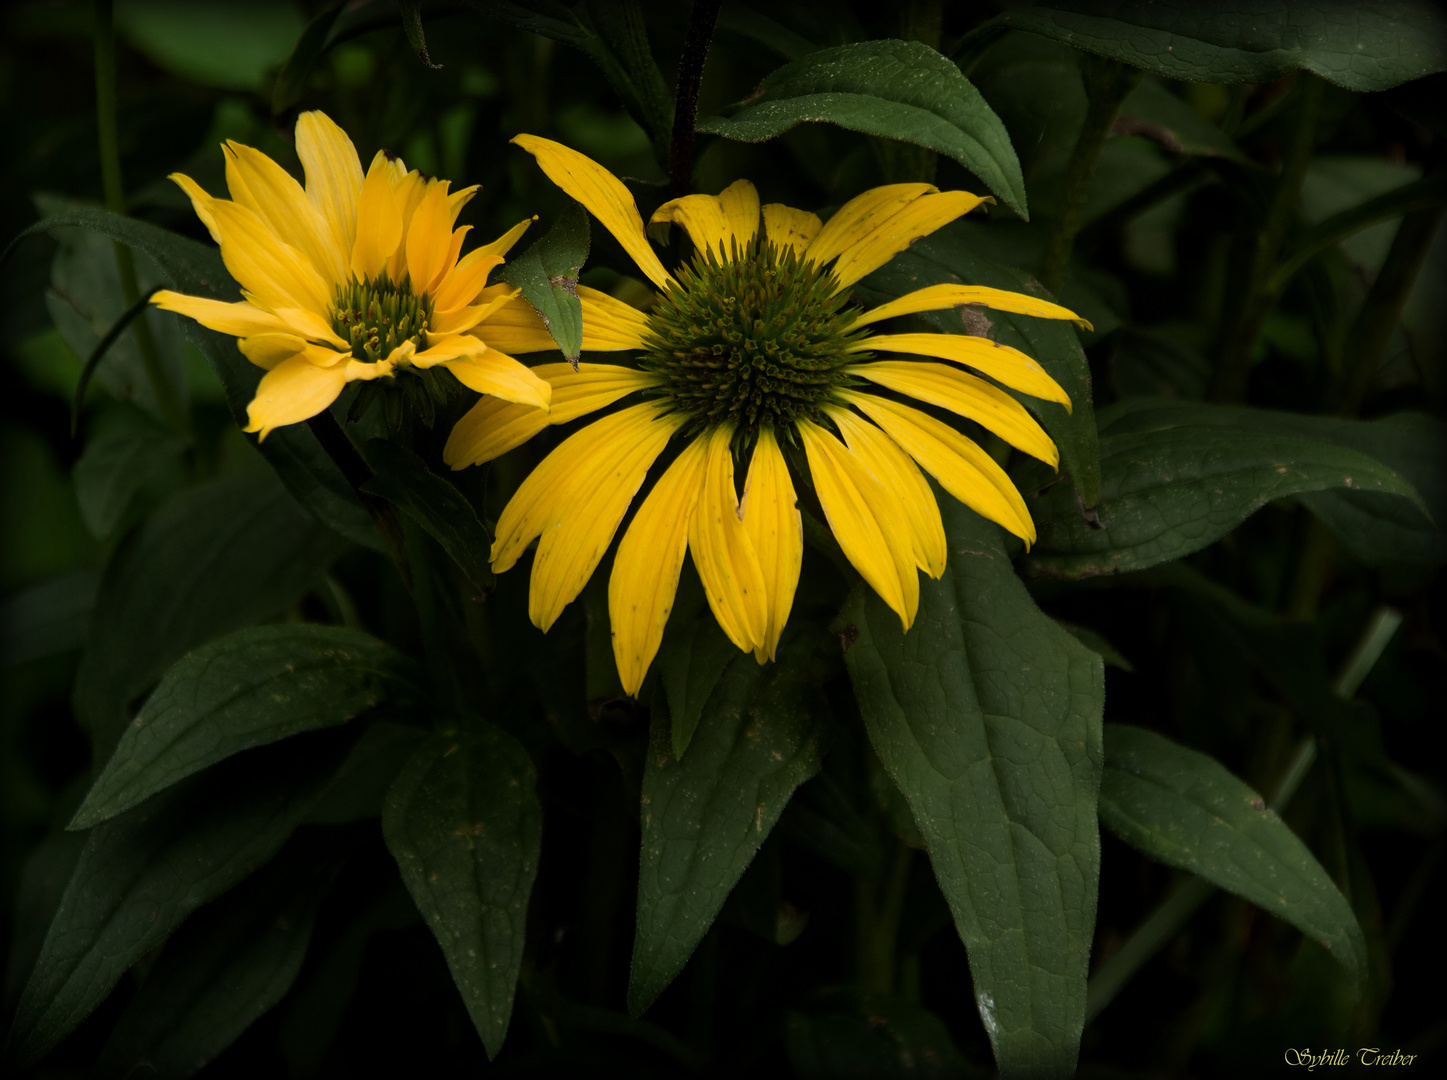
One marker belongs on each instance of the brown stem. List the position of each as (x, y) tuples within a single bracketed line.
[(685, 109)]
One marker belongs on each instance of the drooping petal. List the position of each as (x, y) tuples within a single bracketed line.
[(891, 236), (645, 575), (999, 362), (897, 471), (535, 505), (610, 325), (571, 547), (961, 467), (491, 372), (964, 394), (266, 266), (293, 391), (333, 176), (716, 222), (604, 196), (429, 238), (457, 200), (857, 218), (862, 522), (379, 221), (492, 427), (785, 227), (940, 297), (774, 525), (723, 553), (240, 319), (269, 191)]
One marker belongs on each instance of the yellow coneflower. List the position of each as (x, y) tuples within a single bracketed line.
[(353, 277), (754, 345)]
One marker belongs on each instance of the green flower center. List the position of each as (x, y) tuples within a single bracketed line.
[(760, 338), (376, 316)]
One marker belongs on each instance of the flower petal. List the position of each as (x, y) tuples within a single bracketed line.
[(333, 175), (723, 553), (200, 202), (379, 220), (409, 192), (603, 194), (857, 218), (891, 236), (1000, 362), (467, 279), (516, 328), (493, 427), (645, 574), (268, 350), (964, 394), (496, 373), (939, 297), (429, 239), (961, 467), (504, 243), (277, 273), (293, 391), (774, 525), (716, 222), (272, 194), (610, 325), (240, 319), (785, 227)]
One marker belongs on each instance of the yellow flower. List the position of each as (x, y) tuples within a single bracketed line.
[(753, 346), (355, 277)]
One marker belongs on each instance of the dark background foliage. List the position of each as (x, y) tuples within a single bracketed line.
[(1232, 650)]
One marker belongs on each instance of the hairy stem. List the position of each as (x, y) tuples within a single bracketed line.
[(701, 22)]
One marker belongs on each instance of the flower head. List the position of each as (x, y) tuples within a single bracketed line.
[(354, 277), (753, 349)]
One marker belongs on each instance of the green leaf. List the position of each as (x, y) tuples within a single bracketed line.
[(225, 968), (547, 274), (141, 874), (1176, 477), (228, 44), (291, 80), (48, 618), (464, 824), (403, 478), (691, 664), (412, 25), (705, 816), (896, 89), (248, 689), (127, 453), (1358, 46), (988, 717), (946, 256), (1153, 111), (1184, 809), (875, 1035), (214, 559)]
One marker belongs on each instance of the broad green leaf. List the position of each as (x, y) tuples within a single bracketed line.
[(247, 689), (49, 618), (1153, 111), (214, 559), (225, 968), (1176, 477), (42, 879), (128, 452), (1184, 809), (691, 664), (547, 274), (464, 824), (1358, 46), (896, 89), (141, 874), (705, 816), (946, 257), (412, 25), (988, 717), (403, 478)]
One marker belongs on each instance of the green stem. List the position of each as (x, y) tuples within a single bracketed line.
[(110, 167), (879, 924), (1261, 292), (1107, 84), (429, 616), (701, 22)]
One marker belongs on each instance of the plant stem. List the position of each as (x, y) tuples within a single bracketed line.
[(1107, 84), (879, 923), (696, 41), (429, 617), (1235, 365), (110, 168)]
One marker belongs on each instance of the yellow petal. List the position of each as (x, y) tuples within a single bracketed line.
[(516, 328), (504, 243), (857, 218), (939, 297), (293, 391), (274, 271), (200, 202), (239, 319), (272, 194), (785, 227), (961, 467), (605, 197), (776, 529), (409, 192), (535, 504), (310, 325), (492, 427), (379, 220), (588, 515), (468, 278), (457, 200), (727, 564), (610, 325), (429, 239), (897, 471), (463, 319), (891, 236), (644, 582), (269, 350), (333, 176), (716, 222), (497, 374), (962, 393), (1000, 362)]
